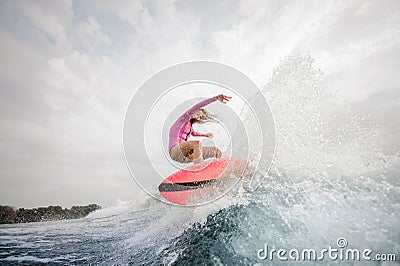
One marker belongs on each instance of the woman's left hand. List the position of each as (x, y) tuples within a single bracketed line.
[(210, 135)]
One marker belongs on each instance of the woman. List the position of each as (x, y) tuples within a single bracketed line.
[(183, 150)]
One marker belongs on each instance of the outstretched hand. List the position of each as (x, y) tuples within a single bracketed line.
[(223, 98)]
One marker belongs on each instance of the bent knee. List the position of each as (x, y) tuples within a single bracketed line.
[(196, 144)]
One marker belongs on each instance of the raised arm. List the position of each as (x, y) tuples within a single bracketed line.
[(188, 114)]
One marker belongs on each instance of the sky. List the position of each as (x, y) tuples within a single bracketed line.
[(69, 68)]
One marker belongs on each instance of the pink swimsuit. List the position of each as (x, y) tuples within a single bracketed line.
[(182, 127)]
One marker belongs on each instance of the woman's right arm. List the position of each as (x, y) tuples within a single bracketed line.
[(188, 114)]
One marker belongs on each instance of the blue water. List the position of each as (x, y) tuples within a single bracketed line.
[(281, 213), (329, 180)]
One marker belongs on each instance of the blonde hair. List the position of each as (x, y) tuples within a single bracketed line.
[(205, 117)]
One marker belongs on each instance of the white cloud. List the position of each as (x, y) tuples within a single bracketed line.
[(89, 35), (133, 12)]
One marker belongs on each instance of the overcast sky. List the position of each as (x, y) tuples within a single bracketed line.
[(69, 68)]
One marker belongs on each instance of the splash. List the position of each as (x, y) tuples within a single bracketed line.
[(327, 175), (316, 133)]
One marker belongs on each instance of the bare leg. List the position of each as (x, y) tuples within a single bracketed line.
[(209, 152), (192, 150)]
